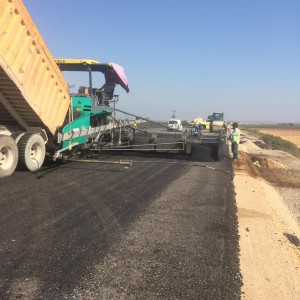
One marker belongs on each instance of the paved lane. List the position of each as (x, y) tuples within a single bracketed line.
[(64, 228)]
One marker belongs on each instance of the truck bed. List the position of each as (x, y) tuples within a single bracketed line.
[(33, 92)]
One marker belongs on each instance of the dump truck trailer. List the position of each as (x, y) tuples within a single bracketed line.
[(34, 97), (33, 90)]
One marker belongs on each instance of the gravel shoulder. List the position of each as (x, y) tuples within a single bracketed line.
[(267, 186)]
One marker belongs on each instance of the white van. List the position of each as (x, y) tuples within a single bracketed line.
[(174, 124)]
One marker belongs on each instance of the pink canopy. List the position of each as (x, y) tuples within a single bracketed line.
[(118, 76)]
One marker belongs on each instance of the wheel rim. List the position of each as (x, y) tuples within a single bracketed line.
[(36, 152), (6, 157)]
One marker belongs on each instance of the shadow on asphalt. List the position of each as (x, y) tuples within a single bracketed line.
[(200, 153)]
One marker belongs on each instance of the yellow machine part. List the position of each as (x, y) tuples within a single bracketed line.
[(33, 91)]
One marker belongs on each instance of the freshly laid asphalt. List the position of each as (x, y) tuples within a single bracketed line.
[(62, 225)]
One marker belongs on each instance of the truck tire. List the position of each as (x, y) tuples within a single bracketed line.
[(8, 156), (32, 151)]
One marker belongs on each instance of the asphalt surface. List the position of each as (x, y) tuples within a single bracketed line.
[(66, 226)]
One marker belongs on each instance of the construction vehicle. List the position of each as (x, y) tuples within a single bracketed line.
[(206, 123), (196, 122), (90, 125), (38, 117), (217, 122)]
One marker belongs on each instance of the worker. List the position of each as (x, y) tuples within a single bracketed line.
[(235, 140), (105, 93)]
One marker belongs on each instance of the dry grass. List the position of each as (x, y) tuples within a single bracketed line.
[(275, 141), (291, 135)]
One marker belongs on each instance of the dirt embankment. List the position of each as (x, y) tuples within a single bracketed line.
[(267, 185)]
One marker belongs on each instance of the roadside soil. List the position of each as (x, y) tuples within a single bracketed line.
[(267, 186)]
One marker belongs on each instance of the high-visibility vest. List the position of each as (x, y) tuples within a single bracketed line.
[(236, 136)]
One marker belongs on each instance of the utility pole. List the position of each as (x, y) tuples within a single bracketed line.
[(70, 86), (173, 116)]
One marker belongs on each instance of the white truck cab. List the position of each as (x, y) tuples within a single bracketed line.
[(174, 124)]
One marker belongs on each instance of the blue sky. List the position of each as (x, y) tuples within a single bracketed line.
[(240, 57)]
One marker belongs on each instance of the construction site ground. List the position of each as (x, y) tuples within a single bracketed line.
[(267, 186), (167, 227)]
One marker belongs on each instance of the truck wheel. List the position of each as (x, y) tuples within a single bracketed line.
[(202, 126), (32, 151), (8, 156)]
